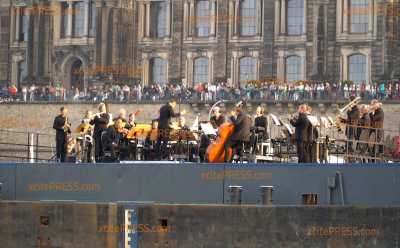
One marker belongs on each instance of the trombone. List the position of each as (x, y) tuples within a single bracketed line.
[(350, 105)]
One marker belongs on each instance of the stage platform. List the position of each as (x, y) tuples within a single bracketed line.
[(343, 184)]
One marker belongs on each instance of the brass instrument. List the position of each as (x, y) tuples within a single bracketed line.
[(339, 121), (67, 126)]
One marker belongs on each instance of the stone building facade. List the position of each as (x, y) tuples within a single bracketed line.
[(82, 42)]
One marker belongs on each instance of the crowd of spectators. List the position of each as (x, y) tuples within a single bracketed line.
[(253, 90)]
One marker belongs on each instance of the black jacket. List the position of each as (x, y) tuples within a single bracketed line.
[(100, 124), (58, 125), (166, 113), (377, 118), (242, 125), (303, 127), (353, 116), (262, 121)]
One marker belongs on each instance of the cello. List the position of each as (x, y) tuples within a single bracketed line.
[(216, 151)]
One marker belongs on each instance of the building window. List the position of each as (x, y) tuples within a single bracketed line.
[(159, 19), (359, 15), (248, 18), (23, 24), (78, 19), (293, 69), (357, 68), (295, 17), (158, 71), (203, 17), (92, 19), (200, 70), (247, 69)]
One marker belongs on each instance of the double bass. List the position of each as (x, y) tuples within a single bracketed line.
[(216, 151)]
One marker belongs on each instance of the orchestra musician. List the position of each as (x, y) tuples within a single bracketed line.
[(63, 128), (363, 130), (217, 119), (100, 122), (111, 141), (121, 116), (302, 126), (313, 135), (260, 130), (241, 133), (377, 117), (165, 126), (353, 116)]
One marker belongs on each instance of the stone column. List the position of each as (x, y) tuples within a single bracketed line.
[(213, 18), (339, 16), (189, 69), (168, 18), (186, 19), (210, 67), (86, 28), (142, 20), (304, 31), (70, 16), (277, 17), (371, 16), (230, 18), (283, 16), (192, 16), (147, 17), (345, 12), (237, 16), (145, 69), (17, 22), (259, 19)]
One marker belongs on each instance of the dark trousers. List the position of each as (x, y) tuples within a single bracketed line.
[(61, 148), (303, 152), (237, 149), (98, 149), (162, 143)]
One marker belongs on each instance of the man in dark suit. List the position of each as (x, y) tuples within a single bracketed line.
[(241, 133), (63, 128), (303, 126), (164, 126)]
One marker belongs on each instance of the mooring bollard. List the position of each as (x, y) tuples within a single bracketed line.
[(266, 194), (309, 199), (235, 192)]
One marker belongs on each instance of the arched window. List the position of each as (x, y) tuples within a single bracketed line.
[(158, 71), (293, 69), (295, 17), (247, 69), (200, 70), (357, 68), (23, 24), (203, 17), (248, 17), (359, 15)]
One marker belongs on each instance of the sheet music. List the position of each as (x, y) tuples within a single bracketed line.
[(208, 129), (275, 120), (314, 120), (195, 126)]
